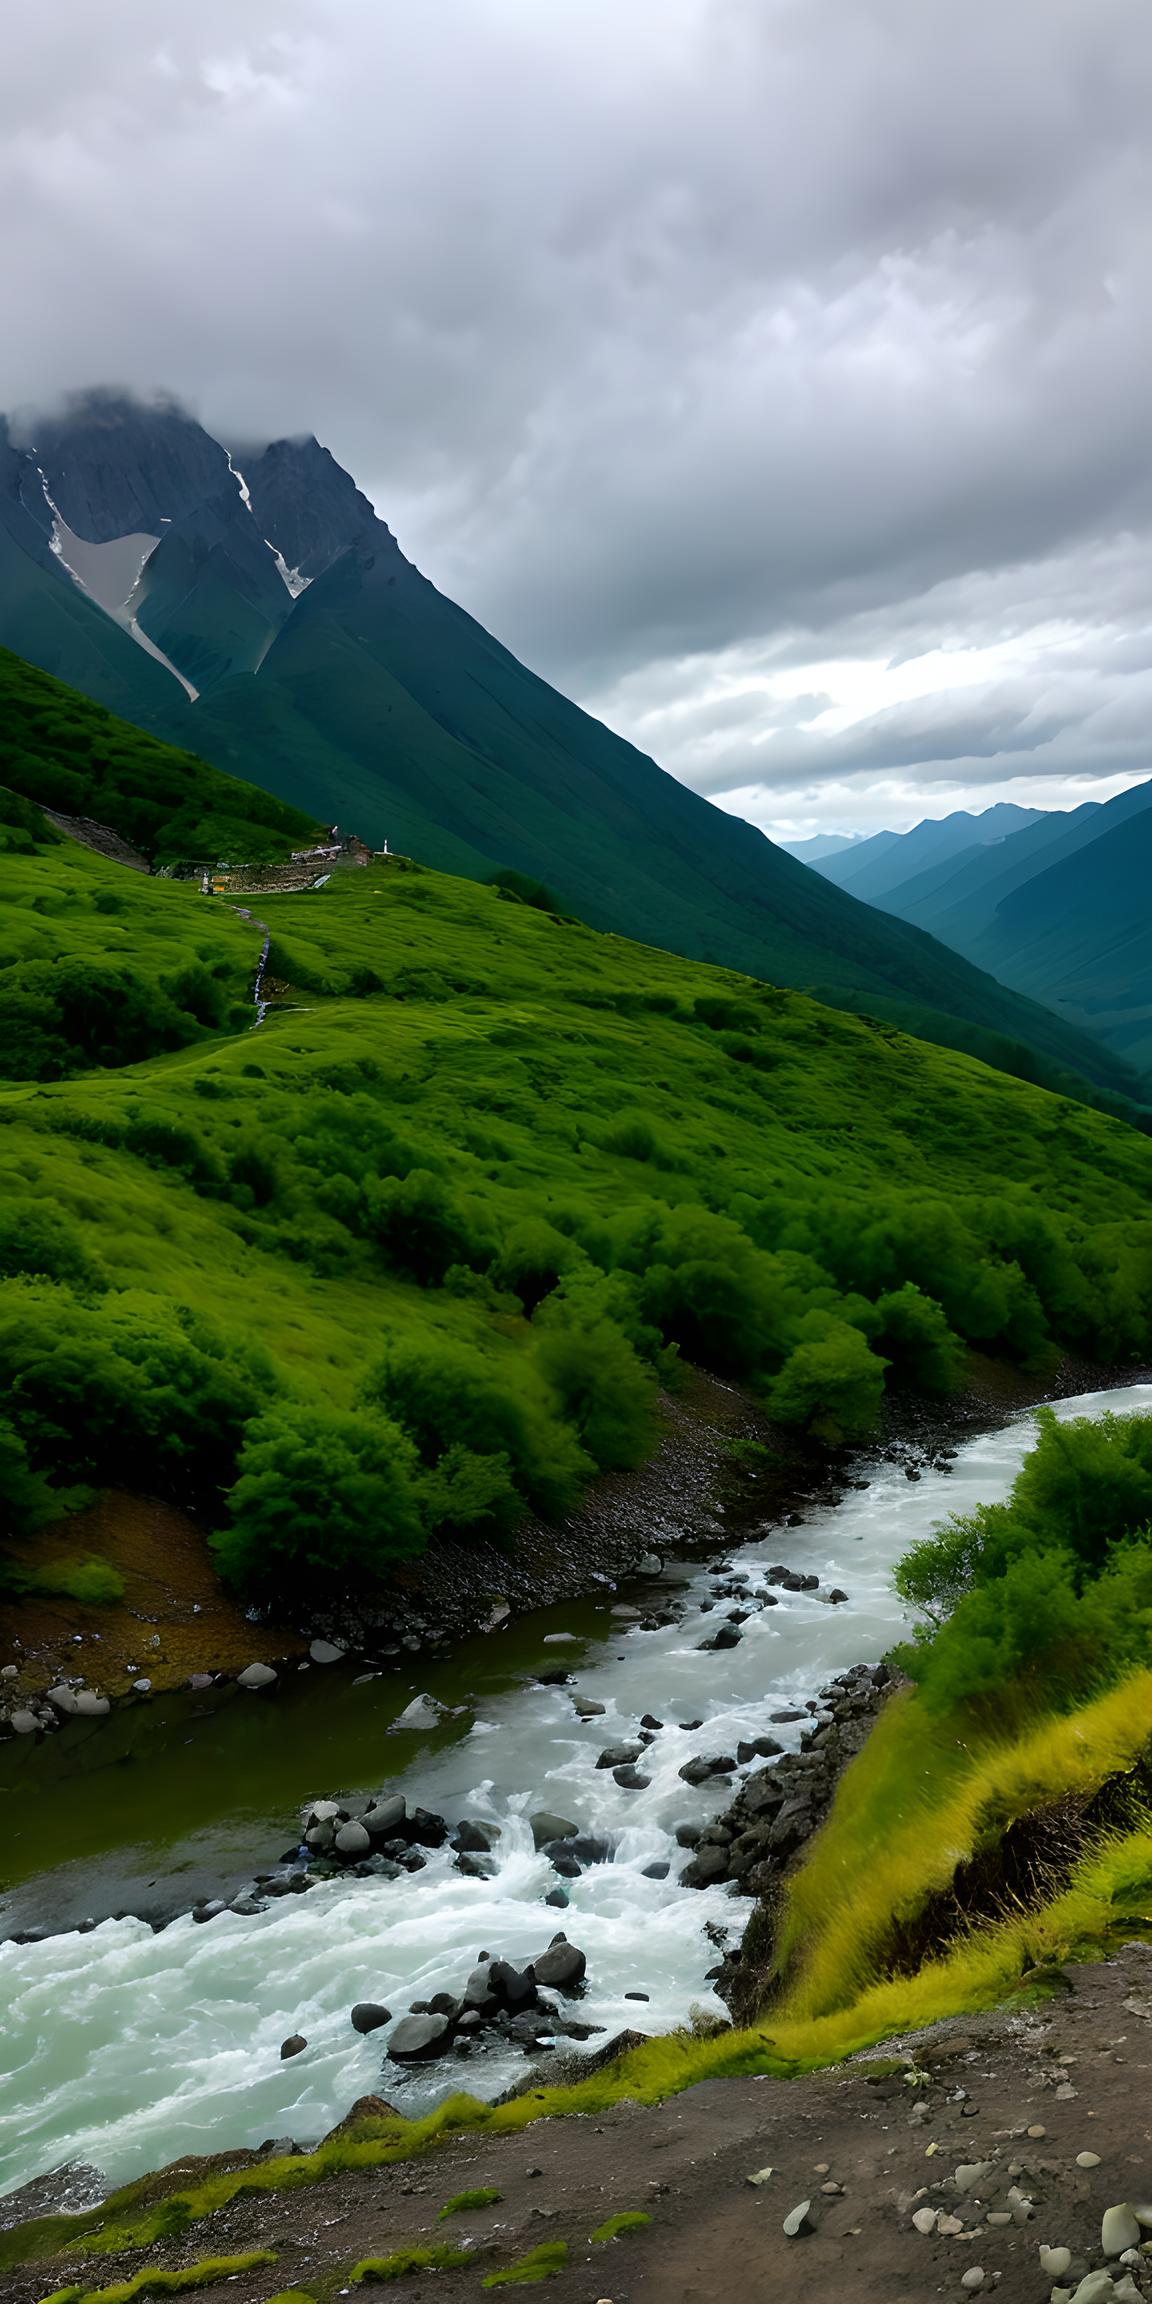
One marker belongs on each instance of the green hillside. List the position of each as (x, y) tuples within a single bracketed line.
[(332, 673), (415, 1253), (61, 750)]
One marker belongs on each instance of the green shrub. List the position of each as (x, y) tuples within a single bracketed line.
[(632, 2220), (602, 1390), (831, 1383), (322, 1500)]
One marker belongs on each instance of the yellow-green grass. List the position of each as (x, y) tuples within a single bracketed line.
[(923, 1796), (485, 2196), (156, 2281), (541, 2263), (403, 2262), (612, 2228)]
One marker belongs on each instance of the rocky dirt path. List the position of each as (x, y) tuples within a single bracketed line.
[(1017, 2132)]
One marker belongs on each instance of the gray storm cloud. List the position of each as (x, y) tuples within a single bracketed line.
[(663, 335)]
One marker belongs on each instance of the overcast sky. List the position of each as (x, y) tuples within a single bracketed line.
[(771, 374)]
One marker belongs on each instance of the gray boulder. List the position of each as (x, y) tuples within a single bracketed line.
[(94, 1707), (64, 1698), (709, 1864), (368, 2016), (417, 2037), (256, 1676), (23, 1721), (562, 1967), (619, 1755), (630, 1780), (472, 1838), (352, 1840), (326, 1652), (385, 1817), (547, 1827), (515, 1988)]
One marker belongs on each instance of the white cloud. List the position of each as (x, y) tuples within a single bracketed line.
[(699, 346)]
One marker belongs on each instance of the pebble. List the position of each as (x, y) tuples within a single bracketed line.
[(924, 2220), (1095, 2288), (1036, 2131), (1087, 2159), (797, 2220), (292, 2046), (1120, 2229), (761, 2176), (1055, 2261), (255, 1676), (974, 2277)]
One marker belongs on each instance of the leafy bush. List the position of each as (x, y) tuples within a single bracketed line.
[(448, 1398), (603, 1392), (831, 1383), (322, 1500), (1057, 1580)]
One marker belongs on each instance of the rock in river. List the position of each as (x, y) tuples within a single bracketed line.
[(368, 2016), (546, 1827), (418, 2036), (294, 2045), (562, 1966), (353, 1840)]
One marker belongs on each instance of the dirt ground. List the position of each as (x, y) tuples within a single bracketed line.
[(171, 1595), (1077, 2071)]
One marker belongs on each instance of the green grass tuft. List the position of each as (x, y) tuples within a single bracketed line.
[(631, 2221), (405, 2261), (542, 2264), (157, 2282), (461, 2202)]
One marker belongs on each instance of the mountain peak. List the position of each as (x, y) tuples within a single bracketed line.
[(305, 504)]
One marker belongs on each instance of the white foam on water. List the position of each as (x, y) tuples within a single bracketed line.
[(125, 2048)]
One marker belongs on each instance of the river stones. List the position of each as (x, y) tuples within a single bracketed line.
[(427, 1829), (417, 2037), (514, 1987), (353, 1840), (630, 1780), (473, 1838), (256, 1676), (757, 1748), (588, 1707), (326, 1652), (23, 1721), (709, 1865), (619, 1755), (546, 1827), (91, 1706), (649, 1564), (474, 1867), (725, 1636), (1119, 2230), (424, 1712), (562, 1967), (385, 1818), (1055, 2262), (368, 2015), (294, 2045), (64, 1698), (798, 2220), (699, 1770)]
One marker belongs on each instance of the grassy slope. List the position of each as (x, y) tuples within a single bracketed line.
[(386, 704), (492, 1056), (66, 753)]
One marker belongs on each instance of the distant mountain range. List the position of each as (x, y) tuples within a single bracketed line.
[(251, 605), (1053, 903)]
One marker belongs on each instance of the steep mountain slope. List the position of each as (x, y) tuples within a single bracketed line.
[(879, 866), (1081, 934), (958, 900), (335, 675)]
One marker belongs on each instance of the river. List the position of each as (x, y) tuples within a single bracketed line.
[(123, 2047)]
